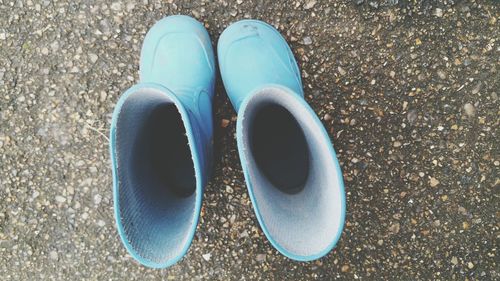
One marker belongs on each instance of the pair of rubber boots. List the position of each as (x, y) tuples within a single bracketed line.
[(162, 137)]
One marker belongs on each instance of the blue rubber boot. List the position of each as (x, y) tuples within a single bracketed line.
[(161, 142), (291, 170)]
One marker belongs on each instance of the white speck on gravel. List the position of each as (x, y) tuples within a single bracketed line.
[(310, 4), (97, 199), (93, 57), (206, 257), (341, 71), (53, 255), (438, 12), (470, 110), (116, 6)]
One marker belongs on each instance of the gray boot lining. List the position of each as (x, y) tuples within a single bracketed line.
[(307, 222), (157, 182)]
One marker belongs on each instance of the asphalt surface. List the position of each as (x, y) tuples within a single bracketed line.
[(408, 91)]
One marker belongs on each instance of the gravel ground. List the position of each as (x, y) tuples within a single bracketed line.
[(407, 90)]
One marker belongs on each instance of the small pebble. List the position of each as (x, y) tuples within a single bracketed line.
[(394, 228), (412, 116), (93, 58), (469, 109), (102, 97), (309, 4), (441, 74), (224, 123), (465, 225), (438, 12), (261, 257), (341, 71), (307, 40), (116, 6), (53, 255), (207, 257), (97, 199), (477, 88), (433, 182)]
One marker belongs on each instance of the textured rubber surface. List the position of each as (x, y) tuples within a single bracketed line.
[(155, 218)]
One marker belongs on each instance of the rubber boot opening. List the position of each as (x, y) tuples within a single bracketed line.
[(292, 173), (165, 147), (157, 182), (279, 148)]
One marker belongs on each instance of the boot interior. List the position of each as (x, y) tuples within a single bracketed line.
[(291, 172), (279, 148), (164, 149), (157, 183)]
